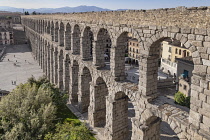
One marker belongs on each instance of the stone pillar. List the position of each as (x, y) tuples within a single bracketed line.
[(97, 108), (84, 92), (60, 72), (116, 119), (56, 67), (48, 63), (56, 34), (117, 63), (148, 73), (73, 97), (52, 65), (66, 74), (98, 54), (149, 131), (85, 44)]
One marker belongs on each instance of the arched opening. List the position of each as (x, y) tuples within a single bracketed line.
[(126, 50), (87, 44), (84, 90), (61, 34), (60, 69), (97, 109), (68, 37), (48, 27), (76, 40), (52, 31), (56, 31), (56, 66), (101, 54), (67, 64), (73, 98), (170, 73), (166, 132)]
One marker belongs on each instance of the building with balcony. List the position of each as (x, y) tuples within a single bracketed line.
[(133, 50), (171, 50)]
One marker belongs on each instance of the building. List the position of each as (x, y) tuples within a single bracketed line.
[(171, 50), (185, 67), (133, 50), (6, 31)]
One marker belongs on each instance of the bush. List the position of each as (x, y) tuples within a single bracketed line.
[(27, 113), (70, 130), (181, 99)]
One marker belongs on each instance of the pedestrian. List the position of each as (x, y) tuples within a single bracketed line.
[(8, 59), (16, 60), (14, 55), (12, 82), (25, 60)]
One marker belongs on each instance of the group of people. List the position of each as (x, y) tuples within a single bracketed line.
[(13, 82)]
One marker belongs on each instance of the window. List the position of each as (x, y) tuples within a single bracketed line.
[(137, 44), (137, 51), (185, 87), (133, 44), (169, 49), (133, 50), (188, 54), (176, 51), (130, 43), (180, 52)]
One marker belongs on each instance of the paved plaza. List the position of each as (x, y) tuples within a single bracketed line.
[(18, 65)]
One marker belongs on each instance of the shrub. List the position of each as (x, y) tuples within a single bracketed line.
[(181, 99)]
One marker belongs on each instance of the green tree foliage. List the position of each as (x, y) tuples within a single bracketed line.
[(181, 99), (71, 129), (26, 13), (34, 13), (27, 112)]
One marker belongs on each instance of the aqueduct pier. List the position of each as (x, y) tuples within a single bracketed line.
[(62, 46)]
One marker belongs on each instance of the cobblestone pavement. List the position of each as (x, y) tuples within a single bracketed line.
[(18, 65)]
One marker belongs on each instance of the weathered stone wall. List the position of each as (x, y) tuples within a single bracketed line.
[(189, 26), (195, 17)]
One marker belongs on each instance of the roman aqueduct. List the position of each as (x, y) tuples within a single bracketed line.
[(62, 46)]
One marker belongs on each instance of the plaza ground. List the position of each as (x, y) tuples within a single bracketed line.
[(17, 66)]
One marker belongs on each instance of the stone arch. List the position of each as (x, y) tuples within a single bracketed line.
[(151, 60), (52, 31), (67, 64), (74, 74), (61, 34), (102, 46), (84, 90), (56, 31), (97, 109), (68, 37), (87, 43), (76, 39), (119, 53), (60, 70)]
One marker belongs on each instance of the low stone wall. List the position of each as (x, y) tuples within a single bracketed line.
[(162, 83)]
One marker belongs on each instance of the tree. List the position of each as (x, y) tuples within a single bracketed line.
[(27, 112), (26, 13), (70, 130), (34, 13)]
